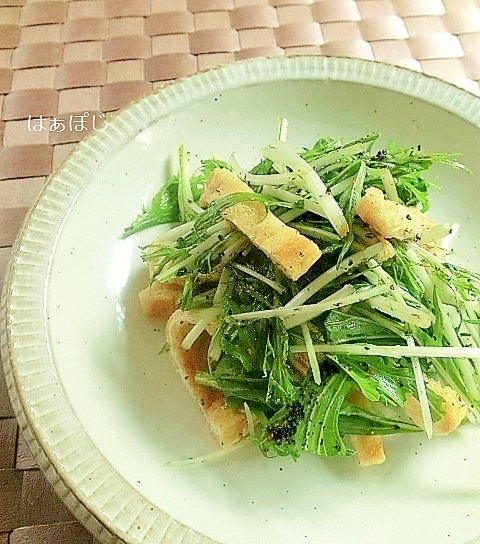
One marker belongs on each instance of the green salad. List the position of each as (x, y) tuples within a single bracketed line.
[(333, 314)]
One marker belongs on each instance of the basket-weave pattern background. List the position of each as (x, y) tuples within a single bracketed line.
[(65, 65)]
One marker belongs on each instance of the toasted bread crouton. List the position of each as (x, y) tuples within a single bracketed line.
[(160, 300), (369, 448), (391, 219), (227, 424), (454, 409), (292, 252)]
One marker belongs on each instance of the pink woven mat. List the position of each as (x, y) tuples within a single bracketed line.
[(66, 64)]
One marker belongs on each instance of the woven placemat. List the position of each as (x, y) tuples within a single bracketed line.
[(65, 65)]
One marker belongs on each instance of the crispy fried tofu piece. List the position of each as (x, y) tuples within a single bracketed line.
[(391, 219), (368, 237), (227, 424), (369, 448), (292, 252), (221, 182), (160, 300), (439, 252), (455, 410)]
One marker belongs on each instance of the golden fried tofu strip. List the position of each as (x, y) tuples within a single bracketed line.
[(160, 300), (389, 218), (369, 237), (221, 182), (292, 252), (369, 448), (453, 407), (227, 424)]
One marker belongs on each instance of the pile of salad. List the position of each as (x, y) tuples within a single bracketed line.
[(379, 334)]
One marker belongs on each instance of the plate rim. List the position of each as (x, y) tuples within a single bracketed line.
[(35, 243)]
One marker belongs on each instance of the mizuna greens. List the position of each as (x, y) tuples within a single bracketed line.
[(389, 321)]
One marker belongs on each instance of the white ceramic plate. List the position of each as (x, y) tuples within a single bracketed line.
[(104, 412)]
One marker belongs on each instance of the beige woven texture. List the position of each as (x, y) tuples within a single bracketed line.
[(65, 65)]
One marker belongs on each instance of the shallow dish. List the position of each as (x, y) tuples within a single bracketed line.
[(103, 412)]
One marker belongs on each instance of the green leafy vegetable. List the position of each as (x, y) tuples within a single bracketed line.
[(162, 209)]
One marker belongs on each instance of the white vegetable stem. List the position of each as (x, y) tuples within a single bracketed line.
[(447, 240), (422, 392), (420, 272), (222, 286), (291, 215), (401, 311), (280, 152), (377, 274), (463, 363), (172, 235), (392, 351), (271, 283), (284, 312), (218, 454), (312, 356), (258, 179), (201, 248), (297, 200), (396, 306), (317, 232), (389, 185), (206, 317), (332, 273), (306, 313), (341, 186), (194, 333)]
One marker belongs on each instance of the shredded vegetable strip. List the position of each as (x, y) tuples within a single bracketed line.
[(397, 351), (422, 392)]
